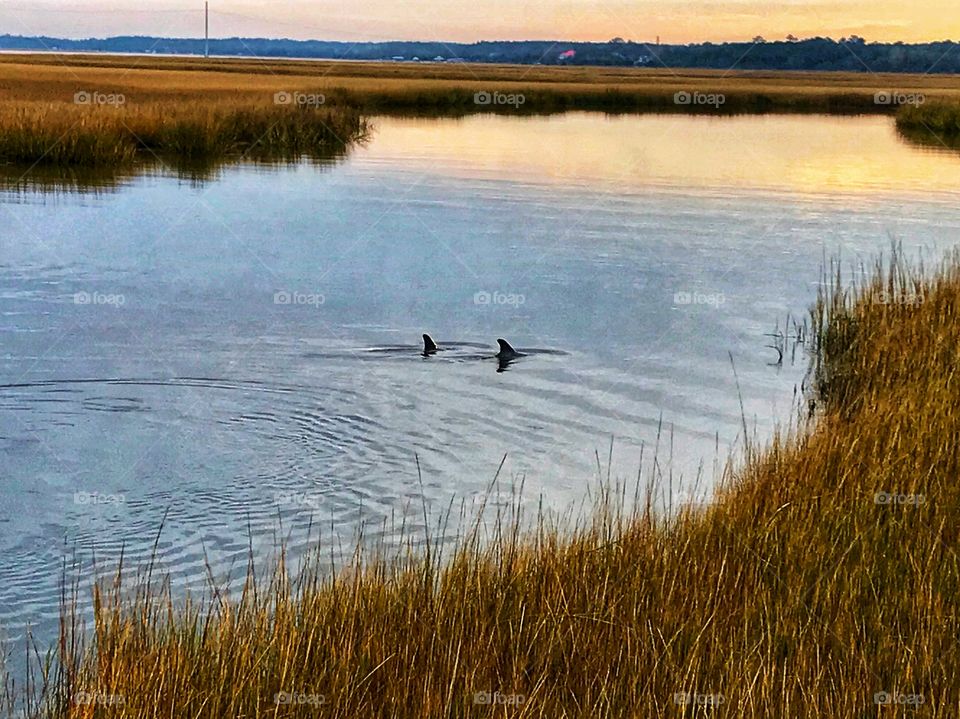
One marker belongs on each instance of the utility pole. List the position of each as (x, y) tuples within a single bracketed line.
[(206, 29)]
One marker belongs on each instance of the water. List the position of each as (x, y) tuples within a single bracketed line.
[(243, 355)]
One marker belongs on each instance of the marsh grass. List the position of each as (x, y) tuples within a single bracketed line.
[(444, 99), (190, 108), (803, 590), (935, 125), (67, 135), (939, 117)]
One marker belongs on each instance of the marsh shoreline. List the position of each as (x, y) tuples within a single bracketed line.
[(74, 111)]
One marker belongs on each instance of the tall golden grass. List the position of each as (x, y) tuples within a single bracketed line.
[(823, 581), (65, 134), (21, 75), (934, 124)]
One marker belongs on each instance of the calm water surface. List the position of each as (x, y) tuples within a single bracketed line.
[(243, 355)]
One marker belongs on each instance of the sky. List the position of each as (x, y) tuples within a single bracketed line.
[(674, 21)]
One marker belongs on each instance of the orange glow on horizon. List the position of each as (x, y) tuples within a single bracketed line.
[(674, 21)]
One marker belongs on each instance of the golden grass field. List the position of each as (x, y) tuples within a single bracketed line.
[(130, 116), (29, 77), (824, 581), (192, 108)]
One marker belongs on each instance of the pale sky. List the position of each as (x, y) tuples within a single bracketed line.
[(470, 20)]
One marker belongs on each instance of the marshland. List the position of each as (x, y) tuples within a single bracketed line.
[(88, 110), (822, 581), (720, 481)]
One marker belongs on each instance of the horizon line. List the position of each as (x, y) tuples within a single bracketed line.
[(554, 41)]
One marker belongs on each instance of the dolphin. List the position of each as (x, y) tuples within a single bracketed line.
[(506, 356), (429, 346), (506, 351)]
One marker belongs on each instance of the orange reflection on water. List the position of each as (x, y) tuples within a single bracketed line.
[(809, 154)]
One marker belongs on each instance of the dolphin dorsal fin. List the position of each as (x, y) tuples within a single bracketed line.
[(428, 344), (505, 347)]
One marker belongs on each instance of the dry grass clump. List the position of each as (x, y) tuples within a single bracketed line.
[(62, 136), (935, 124), (68, 135), (823, 581)]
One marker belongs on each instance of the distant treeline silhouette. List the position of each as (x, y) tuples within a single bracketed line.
[(852, 54)]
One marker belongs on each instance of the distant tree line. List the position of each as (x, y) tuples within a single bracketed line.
[(852, 54)]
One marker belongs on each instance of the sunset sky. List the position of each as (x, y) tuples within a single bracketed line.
[(470, 20)]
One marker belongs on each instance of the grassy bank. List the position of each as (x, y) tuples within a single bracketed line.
[(185, 107), (62, 117), (935, 125), (939, 118), (823, 581), (65, 134)]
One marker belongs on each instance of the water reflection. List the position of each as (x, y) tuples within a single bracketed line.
[(799, 154), (796, 153), (930, 140), (26, 179)]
